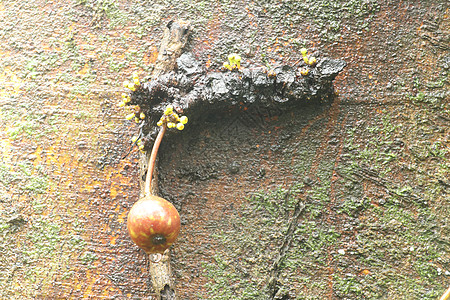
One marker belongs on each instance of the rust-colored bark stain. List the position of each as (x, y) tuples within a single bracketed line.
[(371, 167)]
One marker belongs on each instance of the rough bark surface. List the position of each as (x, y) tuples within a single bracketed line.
[(369, 167)]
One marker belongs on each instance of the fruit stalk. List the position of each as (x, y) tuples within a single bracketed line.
[(152, 161)]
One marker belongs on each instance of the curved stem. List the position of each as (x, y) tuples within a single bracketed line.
[(152, 161)]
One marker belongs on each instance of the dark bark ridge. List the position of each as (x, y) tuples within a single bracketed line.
[(176, 36), (195, 92)]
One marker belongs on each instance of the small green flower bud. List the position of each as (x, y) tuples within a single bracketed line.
[(183, 120), (237, 60), (132, 86), (304, 72), (231, 58), (180, 126), (227, 66), (303, 51), (169, 110)]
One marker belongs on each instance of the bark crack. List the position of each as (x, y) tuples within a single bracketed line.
[(273, 284)]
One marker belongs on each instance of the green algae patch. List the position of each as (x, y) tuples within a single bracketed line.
[(35, 244), (251, 257), (363, 232), (25, 176), (329, 16), (401, 250), (397, 251)]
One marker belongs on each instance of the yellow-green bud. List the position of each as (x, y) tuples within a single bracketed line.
[(183, 120), (231, 58), (169, 110), (304, 72), (237, 60), (132, 86), (130, 116), (312, 60), (141, 147), (121, 104), (135, 75), (303, 51), (134, 139), (136, 81), (136, 120), (227, 66), (180, 126), (170, 125), (126, 83), (305, 59), (159, 123)]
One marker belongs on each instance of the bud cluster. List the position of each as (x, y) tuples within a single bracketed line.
[(310, 61), (234, 62), (172, 120), (131, 86)]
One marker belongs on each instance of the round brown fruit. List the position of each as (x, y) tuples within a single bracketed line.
[(153, 224)]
